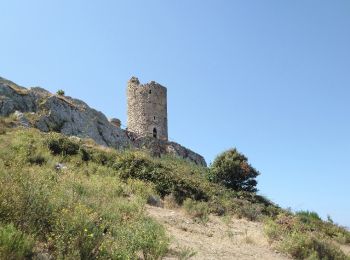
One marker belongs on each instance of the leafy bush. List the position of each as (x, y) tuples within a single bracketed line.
[(38, 159), (165, 178), (14, 244), (232, 170), (60, 92), (62, 146), (308, 216)]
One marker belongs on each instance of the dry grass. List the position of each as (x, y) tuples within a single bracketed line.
[(19, 90), (70, 103)]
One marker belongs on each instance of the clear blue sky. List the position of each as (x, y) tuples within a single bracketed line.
[(271, 78)]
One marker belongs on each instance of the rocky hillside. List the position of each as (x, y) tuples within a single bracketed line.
[(36, 107)]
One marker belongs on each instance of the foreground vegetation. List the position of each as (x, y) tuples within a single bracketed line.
[(305, 236), (71, 199), (70, 210)]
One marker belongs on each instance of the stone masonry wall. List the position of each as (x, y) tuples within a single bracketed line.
[(147, 109)]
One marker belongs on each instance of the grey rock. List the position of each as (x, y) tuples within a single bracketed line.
[(7, 106), (21, 99), (155, 201), (22, 120), (60, 166), (159, 147)]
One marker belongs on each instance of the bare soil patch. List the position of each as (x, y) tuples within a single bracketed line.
[(219, 238)]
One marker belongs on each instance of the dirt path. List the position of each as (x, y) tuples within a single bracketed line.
[(219, 238)]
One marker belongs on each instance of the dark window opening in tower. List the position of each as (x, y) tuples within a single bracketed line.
[(154, 118), (150, 91), (154, 132)]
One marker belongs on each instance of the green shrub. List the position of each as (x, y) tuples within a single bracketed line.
[(38, 159), (60, 92), (308, 216), (62, 146), (232, 170), (85, 155), (77, 232), (14, 244), (272, 211), (165, 178), (151, 239), (197, 209)]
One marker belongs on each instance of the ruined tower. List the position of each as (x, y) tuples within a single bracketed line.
[(147, 109)]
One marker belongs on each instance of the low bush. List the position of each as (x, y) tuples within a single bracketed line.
[(60, 92), (165, 178), (14, 244), (308, 216), (307, 246), (62, 145), (38, 159)]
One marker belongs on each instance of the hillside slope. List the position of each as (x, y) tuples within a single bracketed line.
[(70, 198), (226, 239)]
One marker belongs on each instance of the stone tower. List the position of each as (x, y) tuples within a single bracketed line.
[(147, 109)]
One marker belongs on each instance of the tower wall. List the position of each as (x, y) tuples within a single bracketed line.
[(147, 109)]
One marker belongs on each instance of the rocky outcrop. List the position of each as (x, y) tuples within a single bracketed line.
[(72, 117), (159, 147), (60, 114)]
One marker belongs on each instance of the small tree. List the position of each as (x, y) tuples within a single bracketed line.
[(231, 169), (60, 92)]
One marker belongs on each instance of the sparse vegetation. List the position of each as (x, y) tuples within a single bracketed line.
[(186, 253), (305, 236)]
